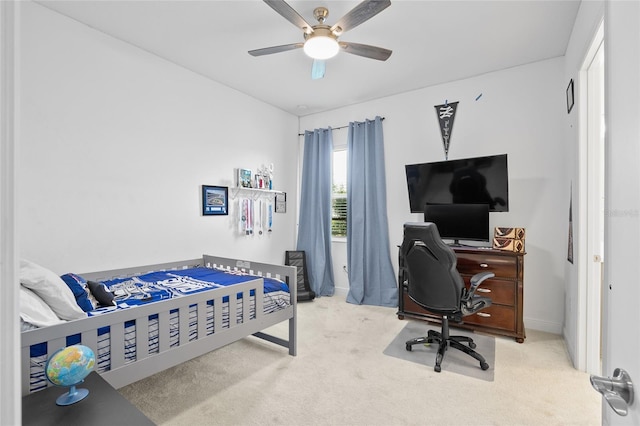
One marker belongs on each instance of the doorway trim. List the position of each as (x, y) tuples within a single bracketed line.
[(10, 401), (590, 297)]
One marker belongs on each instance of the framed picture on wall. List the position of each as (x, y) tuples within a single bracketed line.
[(570, 96), (215, 200), (281, 202)]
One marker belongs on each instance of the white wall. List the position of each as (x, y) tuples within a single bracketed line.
[(586, 25), (521, 112), (115, 145)]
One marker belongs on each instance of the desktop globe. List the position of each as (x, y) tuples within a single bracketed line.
[(68, 367)]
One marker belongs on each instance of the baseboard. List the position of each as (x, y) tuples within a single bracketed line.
[(546, 326), (341, 291), (530, 323)]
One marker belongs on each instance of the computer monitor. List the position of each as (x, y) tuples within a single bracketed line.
[(457, 222)]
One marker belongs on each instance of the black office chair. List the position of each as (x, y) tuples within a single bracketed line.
[(427, 267)]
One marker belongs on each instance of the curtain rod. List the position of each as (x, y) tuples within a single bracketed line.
[(337, 128)]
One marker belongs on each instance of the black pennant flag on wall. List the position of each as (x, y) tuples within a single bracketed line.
[(446, 114)]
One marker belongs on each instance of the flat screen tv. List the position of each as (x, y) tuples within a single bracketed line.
[(467, 181), (457, 222)]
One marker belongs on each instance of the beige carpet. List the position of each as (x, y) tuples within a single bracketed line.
[(342, 377)]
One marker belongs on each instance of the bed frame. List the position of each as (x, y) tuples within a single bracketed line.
[(122, 372)]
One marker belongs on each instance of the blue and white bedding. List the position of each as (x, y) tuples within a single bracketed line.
[(156, 286), (162, 285)]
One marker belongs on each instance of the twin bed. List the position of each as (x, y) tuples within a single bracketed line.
[(169, 313)]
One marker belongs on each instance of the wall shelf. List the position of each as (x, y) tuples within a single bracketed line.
[(255, 193)]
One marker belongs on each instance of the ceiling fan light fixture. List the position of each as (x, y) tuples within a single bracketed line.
[(321, 47)]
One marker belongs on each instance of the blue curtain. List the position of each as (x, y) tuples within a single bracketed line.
[(314, 225), (372, 280)]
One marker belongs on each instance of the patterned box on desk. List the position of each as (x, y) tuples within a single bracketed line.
[(508, 244), (513, 233), (509, 239)]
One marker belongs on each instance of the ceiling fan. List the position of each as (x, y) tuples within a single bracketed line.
[(321, 40)]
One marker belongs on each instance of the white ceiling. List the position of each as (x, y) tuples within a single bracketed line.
[(432, 41)]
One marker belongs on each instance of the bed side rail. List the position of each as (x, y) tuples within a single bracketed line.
[(143, 362)]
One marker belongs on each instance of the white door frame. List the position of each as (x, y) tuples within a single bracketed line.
[(10, 400), (589, 281)]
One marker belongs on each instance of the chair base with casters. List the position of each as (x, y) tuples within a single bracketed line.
[(445, 341)]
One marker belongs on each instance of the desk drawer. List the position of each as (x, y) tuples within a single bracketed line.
[(495, 316), (500, 292), (502, 266)]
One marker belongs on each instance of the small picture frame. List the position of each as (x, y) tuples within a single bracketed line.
[(570, 98), (244, 178), (260, 181), (281, 202), (215, 200)]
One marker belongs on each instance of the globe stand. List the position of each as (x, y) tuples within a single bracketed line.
[(74, 395)]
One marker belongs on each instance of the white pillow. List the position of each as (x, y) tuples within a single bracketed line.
[(26, 326), (51, 289), (34, 310)]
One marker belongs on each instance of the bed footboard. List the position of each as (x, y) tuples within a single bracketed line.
[(285, 273), (197, 321)]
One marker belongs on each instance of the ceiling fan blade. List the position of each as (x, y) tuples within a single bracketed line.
[(290, 14), (359, 14), (373, 52), (318, 69), (275, 49)]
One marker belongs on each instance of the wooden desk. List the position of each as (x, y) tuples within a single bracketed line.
[(103, 406), (504, 316)]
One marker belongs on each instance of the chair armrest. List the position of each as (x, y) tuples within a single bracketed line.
[(476, 280), (472, 303)]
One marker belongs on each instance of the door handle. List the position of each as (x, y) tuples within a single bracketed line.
[(617, 390)]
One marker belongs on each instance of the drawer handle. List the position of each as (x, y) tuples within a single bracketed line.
[(483, 290), (484, 265), (483, 314)]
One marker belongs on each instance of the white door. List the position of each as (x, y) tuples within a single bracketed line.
[(621, 296)]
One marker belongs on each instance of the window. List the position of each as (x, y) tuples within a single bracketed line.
[(339, 194)]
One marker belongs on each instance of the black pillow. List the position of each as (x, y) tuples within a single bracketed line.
[(100, 292)]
